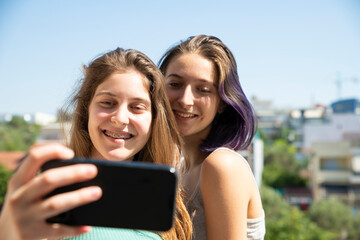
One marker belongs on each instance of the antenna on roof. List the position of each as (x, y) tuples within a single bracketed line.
[(339, 81)]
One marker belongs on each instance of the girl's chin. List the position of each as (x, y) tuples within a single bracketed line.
[(112, 154), (116, 156)]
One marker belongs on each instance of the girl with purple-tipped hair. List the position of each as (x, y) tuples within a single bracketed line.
[(215, 120)]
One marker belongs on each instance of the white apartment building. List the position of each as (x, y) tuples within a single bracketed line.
[(334, 148)]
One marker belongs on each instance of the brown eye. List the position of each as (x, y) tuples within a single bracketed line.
[(174, 84), (107, 103), (204, 90), (139, 108)]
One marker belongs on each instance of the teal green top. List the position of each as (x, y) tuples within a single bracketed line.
[(116, 233)]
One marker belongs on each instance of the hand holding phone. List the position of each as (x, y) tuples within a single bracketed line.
[(136, 195)]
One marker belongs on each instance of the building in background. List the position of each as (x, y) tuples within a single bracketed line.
[(55, 133), (51, 132), (36, 118), (351, 105), (299, 118), (335, 171), (333, 145), (270, 120)]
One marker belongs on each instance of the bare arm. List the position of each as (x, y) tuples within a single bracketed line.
[(226, 184), (25, 211)]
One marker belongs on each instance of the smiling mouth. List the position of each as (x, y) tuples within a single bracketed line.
[(185, 115), (117, 135)]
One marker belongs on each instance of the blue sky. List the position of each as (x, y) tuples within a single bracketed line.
[(289, 52)]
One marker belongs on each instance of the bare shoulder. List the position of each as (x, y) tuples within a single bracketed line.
[(225, 162), (228, 174)]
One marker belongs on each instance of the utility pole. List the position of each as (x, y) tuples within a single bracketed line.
[(339, 81)]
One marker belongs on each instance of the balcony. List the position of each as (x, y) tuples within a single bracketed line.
[(354, 178), (339, 176)]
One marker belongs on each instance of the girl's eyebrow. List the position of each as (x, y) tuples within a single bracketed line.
[(105, 93), (200, 79), (173, 75)]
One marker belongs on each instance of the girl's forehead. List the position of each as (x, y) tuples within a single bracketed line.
[(192, 66), (128, 83)]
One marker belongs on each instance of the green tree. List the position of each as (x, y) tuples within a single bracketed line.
[(281, 169), (18, 135), (286, 222), (354, 232), (4, 177), (284, 132), (17, 122), (332, 215)]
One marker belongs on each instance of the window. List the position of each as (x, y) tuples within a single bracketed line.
[(332, 164)]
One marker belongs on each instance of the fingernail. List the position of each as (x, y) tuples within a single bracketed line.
[(69, 153), (91, 169), (95, 192)]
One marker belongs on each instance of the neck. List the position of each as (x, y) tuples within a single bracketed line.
[(191, 152)]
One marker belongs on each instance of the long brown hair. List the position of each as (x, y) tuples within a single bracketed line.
[(163, 146)]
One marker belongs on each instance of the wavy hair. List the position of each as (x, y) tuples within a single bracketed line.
[(235, 125), (163, 146)]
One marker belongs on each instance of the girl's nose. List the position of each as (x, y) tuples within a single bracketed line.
[(187, 97), (121, 116)]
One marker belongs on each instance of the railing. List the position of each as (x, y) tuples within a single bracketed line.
[(341, 176)]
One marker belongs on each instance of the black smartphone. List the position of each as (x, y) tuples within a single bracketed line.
[(136, 195)]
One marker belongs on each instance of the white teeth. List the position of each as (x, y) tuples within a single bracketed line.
[(185, 115), (114, 135)]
